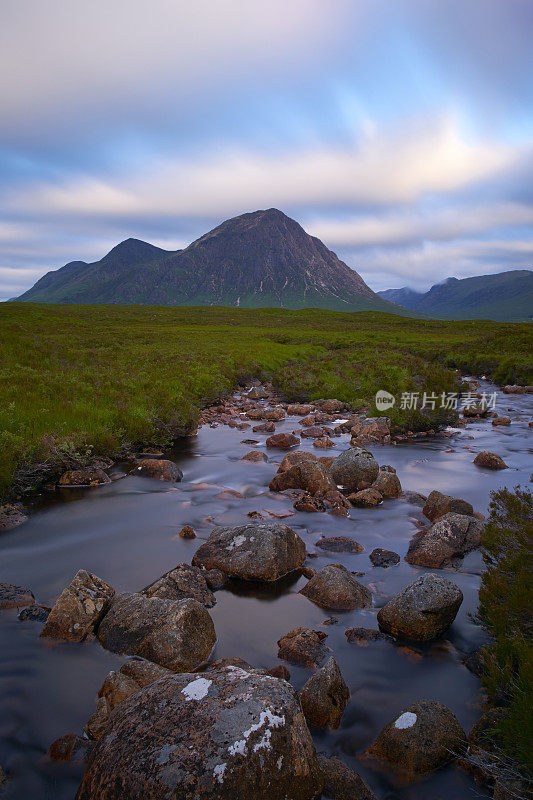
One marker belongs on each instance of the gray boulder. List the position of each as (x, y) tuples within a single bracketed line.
[(446, 542), (324, 697), (353, 467), (423, 610)]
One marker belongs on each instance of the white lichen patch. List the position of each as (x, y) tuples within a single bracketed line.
[(218, 772), (405, 720), (236, 542), (266, 717), (279, 762), (196, 690)]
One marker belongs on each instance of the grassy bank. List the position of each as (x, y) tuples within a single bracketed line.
[(74, 377), (506, 600)]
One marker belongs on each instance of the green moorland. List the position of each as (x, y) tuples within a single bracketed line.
[(98, 378), (505, 603)]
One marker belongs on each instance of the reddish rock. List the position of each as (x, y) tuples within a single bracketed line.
[(324, 696), (323, 443), (84, 477), (282, 441), (255, 456), (15, 596), (267, 427), (489, 460), (314, 432), (280, 672), (366, 498), (303, 646), (273, 414), (330, 406), (69, 747), (309, 503), (79, 608), (307, 475), (387, 483), (187, 532), (371, 429), (438, 504), (295, 458), (336, 498), (335, 588), (229, 494), (339, 544), (299, 409), (501, 421), (514, 389), (214, 578), (384, 558), (158, 468), (446, 542), (341, 782)]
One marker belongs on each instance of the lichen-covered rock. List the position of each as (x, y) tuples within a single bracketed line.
[(324, 696), (309, 503), (177, 634), (295, 458), (422, 738), (273, 414), (371, 429), (264, 552), (214, 578), (353, 467), (384, 558), (489, 460), (282, 441), (79, 608), (69, 747), (366, 498), (299, 409), (307, 475), (341, 782), (446, 542), (438, 504), (335, 588), (303, 646), (158, 468), (15, 596), (226, 734), (131, 677), (339, 544), (91, 476), (181, 582), (266, 427), (323, 443), (423, 610), (387, 483), (255, 457)]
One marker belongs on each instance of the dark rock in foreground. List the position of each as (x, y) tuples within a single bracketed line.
[(34, 613), (324, 696), (223, 735), (422, 738), (15, 596), (341, 782), (384, 558), (303, 646), (489, 460), (176, 634), (423, 610), (263, 552)]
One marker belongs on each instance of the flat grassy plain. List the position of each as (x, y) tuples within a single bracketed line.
[(74, 378)]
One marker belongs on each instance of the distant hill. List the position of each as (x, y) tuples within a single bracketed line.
[(504, 297), (261, 259)]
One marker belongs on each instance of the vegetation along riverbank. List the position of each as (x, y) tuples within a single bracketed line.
[(102, 378)]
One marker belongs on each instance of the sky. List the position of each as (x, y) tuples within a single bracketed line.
[(398, 131)]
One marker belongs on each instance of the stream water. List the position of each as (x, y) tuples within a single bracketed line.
[(125, 532)]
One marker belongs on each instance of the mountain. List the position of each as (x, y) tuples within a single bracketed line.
[(260, 259), (504, 297)]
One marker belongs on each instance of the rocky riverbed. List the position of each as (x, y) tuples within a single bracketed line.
[(335, 621)]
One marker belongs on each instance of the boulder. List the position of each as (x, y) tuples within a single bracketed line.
[(330, 406), (295, 458), (438, 504), (446, 542), (422, 738), (273, 414), (366, 498), (84, 477), (335, 588), (423, 610), (34, 613), (280, 671), (256, 456), (258, 393), (177, 634), (187, 532), (266, 427), (323, 443), (476, 409), (314, 432), (181, 582), (303, 646), (214, 578), (131, 677), (264, 552), (282, 441), (299, 409), (11, 516), (489, 460), (384, 558), (339, 544), (307, 475), (227, 734), (353, 467), (336, 498), (69, 747), (15, 596), (324, 696), (501, 421), (79, 608), (514, 389), (363, 636), (341, 782), (371, 429), (158, 468), (387, 483), (309, 503)]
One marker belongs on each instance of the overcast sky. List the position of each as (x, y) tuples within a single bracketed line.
[(398, 131)]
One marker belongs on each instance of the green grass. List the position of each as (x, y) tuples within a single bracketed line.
[(505, 603), (73, 377)]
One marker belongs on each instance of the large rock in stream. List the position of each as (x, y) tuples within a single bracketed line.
[(79, 608), (308, 475), (181, 582), (324, 696), (335, 588), (422, 738), (354, 468), (438, 504), (423, 610), (177, 634), (263, 552), (446, 542), (223, 735)]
